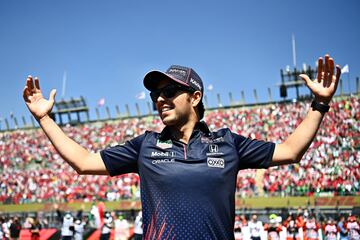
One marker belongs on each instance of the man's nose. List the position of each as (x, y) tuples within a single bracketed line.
[(161, 98)]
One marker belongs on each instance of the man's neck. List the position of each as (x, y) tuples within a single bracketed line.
[(183, 133)]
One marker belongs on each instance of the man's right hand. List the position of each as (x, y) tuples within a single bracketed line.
[(35, 101), (78, 157)]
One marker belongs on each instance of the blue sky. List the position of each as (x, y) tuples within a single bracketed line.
[(106, 47)]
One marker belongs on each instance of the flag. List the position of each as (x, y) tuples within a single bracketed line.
[(210, 87), (101, 102), (94, 213), (140, 95), (345, 69)]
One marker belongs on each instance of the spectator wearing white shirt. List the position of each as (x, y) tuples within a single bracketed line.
[(138, 227), (256, 228)]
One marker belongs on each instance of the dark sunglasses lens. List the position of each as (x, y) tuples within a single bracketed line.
[(154, 95), (170, 91)]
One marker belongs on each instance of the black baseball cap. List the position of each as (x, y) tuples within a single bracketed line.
[(182, 75)]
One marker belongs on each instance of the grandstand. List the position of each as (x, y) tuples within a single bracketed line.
[(37, 182), (33, 172)]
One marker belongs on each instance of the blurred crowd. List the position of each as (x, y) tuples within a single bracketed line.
[(96, 224), (300, 224), (303, 225), (32, 171)]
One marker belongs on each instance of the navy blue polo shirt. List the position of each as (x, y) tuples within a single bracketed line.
[(188, 190)]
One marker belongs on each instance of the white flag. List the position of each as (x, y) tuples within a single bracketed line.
[(345, 69), (210, 87), (140, 95), (101, 102)]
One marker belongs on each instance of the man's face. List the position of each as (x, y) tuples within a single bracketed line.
[(174, 111)]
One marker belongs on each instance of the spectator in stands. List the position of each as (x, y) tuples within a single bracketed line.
[(293, 228), (138, 226), (122, 228), (186, 156), (15, 229), (35, 229), (237, 228), (2, 235), (274, 227), (79, 229), (331, 230), (67, 228), (312, 228), (342, 228), (107, 226), (256, 228), (353, 228), (28, 222), (5, 227)]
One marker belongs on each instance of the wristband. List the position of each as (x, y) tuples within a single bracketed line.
[(320, 107)]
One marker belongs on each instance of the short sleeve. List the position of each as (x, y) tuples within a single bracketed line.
[(253, 153), (123, 159)]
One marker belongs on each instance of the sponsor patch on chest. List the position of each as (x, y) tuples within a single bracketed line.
[(164, 144), (212, 140), (215, 162), (163, 154)]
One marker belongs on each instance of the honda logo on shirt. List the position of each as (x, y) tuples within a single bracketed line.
[(213, 148)]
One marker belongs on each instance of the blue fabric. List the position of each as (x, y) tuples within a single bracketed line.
[(188, 190)]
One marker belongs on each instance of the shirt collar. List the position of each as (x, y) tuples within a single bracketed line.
[(199, 127)]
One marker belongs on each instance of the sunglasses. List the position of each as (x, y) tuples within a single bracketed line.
[(168, 91)]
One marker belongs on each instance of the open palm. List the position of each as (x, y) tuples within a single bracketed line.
[(325, 84), (35, 101)]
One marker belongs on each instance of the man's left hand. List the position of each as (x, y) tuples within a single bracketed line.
[(326, 82)]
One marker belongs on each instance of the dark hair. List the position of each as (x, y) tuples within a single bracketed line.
[(201, 110), (200, 106)]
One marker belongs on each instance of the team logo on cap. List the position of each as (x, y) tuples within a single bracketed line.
[(195, 83), (178, 71)]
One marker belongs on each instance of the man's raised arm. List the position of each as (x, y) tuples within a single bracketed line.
[(323, 88), (78, 157)]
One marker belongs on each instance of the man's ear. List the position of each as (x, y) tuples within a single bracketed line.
[(196, 98)]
